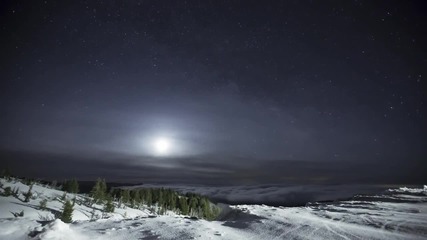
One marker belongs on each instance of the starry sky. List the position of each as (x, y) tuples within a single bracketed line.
[(244, 92)]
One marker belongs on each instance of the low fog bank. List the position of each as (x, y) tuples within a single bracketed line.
[(275, 195)]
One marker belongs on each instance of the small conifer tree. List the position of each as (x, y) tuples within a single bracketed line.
[(99, 191), (67, 212)]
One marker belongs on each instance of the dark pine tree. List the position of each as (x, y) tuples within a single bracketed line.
[(67, 212), (99, 190)]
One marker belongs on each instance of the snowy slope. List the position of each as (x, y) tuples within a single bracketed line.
[(54, 204), (394, 214)]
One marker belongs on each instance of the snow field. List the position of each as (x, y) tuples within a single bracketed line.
[(395, 214)]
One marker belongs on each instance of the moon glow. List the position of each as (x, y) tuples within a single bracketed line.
[(162, 146)]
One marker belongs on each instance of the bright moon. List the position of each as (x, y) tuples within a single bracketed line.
[(162, 146)]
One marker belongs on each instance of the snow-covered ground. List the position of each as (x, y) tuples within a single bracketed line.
[(393, 214)]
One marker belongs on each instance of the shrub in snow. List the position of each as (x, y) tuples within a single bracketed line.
[(35, 195), (7, 191), (64, 197), (15, 192), (43, 204), (28, 194), (18, 214), (87, 202), (93, 215), (67, 212)]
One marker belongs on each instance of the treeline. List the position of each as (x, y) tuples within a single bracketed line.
[(167, 199), (160, 200)]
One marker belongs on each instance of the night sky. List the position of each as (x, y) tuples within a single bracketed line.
[(215, 92)]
